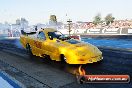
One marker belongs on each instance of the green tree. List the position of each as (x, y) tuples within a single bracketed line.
[(97, 19), (53, 18), (109, 19)]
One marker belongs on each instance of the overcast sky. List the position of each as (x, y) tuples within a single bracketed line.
[(38, 11)]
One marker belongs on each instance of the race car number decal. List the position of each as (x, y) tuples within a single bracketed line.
[(38, 44)]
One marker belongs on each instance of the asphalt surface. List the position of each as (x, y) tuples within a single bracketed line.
[(38, 73)]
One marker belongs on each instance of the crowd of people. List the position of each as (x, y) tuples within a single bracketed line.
[(124, 24)]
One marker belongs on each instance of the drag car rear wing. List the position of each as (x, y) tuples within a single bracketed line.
[(24, 33)]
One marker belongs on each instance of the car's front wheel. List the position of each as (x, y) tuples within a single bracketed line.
[(63, 58)]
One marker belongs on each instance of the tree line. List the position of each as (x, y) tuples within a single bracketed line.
[(108, 19), (97, 19)]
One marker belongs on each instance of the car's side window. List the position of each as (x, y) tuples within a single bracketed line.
[(41, 36)]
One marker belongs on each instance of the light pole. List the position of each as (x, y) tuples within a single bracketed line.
[(11, 31), (69, 26)]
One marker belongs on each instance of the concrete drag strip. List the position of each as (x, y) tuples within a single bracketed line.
[(42, 72)]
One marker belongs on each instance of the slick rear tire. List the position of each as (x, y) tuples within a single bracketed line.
[(29, 51)]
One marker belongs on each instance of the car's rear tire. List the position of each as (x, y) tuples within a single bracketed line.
[(29, 51), (45, 57)]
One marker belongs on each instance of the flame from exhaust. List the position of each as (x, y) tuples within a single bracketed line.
[(81, 70)]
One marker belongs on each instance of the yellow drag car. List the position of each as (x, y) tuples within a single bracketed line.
[(50, 42)]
